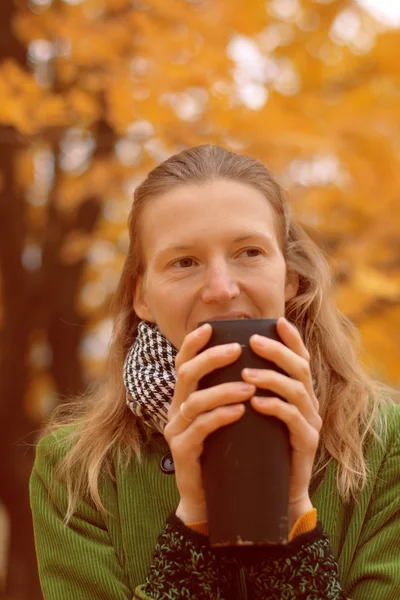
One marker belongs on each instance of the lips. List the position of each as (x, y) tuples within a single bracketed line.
[(228, 316)]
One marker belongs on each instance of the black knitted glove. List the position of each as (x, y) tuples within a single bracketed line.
[(305, 569), (185, 566)]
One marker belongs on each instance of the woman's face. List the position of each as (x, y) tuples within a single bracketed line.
[(210, 250)]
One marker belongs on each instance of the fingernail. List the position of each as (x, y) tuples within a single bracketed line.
[(261, 400), (260, 339), (251, 373), (289, 324), (237, 408), (247, 387), (203, 328), (232, 348)]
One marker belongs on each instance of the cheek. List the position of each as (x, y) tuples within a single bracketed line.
[(178, 289), (272, 277), (170, 309), (170, 299)]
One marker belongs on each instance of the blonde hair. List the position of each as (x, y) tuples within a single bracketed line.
[(350, 400)]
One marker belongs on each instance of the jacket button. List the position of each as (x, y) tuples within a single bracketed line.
[(167, 464)]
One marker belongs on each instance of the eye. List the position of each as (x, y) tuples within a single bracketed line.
[(180, 260), (258, 250)]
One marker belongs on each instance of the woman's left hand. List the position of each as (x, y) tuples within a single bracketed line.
[(300, 412)]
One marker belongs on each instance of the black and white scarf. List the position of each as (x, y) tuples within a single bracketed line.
[(150, 376)]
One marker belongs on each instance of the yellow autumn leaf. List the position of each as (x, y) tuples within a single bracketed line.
[(74, 248), (84, 106), (376, 284)]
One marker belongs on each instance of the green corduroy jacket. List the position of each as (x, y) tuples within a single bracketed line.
[(107, 557)]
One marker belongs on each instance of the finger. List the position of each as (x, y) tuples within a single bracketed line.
[(202, 401), (191, 346), (190, 372), (193, 343), (290, 389), (304, 437), (292, 338), (190, 442), (294, 365)]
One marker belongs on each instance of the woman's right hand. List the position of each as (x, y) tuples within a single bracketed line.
[(205, 411)]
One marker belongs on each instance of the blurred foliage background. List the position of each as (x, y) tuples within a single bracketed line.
[(94, 93)]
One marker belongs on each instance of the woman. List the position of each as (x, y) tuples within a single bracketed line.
[(116, 492)]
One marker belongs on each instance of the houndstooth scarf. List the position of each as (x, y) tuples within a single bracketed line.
[(149, 376)]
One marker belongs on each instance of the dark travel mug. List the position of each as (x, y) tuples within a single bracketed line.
[(246, 464)]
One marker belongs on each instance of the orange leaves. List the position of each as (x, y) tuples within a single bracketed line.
[(99, 180), (100, 44), (51, 112), (85, 108), (381, 339), (120, 101), (385, 52), (17, 91), (375, 284), (75, 248), (327, 124), (24, 104), (31, 108)]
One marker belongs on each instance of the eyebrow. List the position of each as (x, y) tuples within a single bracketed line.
[(243, 238)]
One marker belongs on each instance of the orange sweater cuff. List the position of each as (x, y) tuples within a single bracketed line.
[(305, 523), (200, 527)]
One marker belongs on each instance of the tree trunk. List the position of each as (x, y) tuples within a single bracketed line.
[(46, 301), (22, 579)]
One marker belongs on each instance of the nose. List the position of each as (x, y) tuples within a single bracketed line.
[(219, 284)]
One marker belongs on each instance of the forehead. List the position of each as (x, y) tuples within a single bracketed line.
[(218, 208)]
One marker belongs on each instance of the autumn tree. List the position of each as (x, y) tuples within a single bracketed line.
[(94, 92)]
